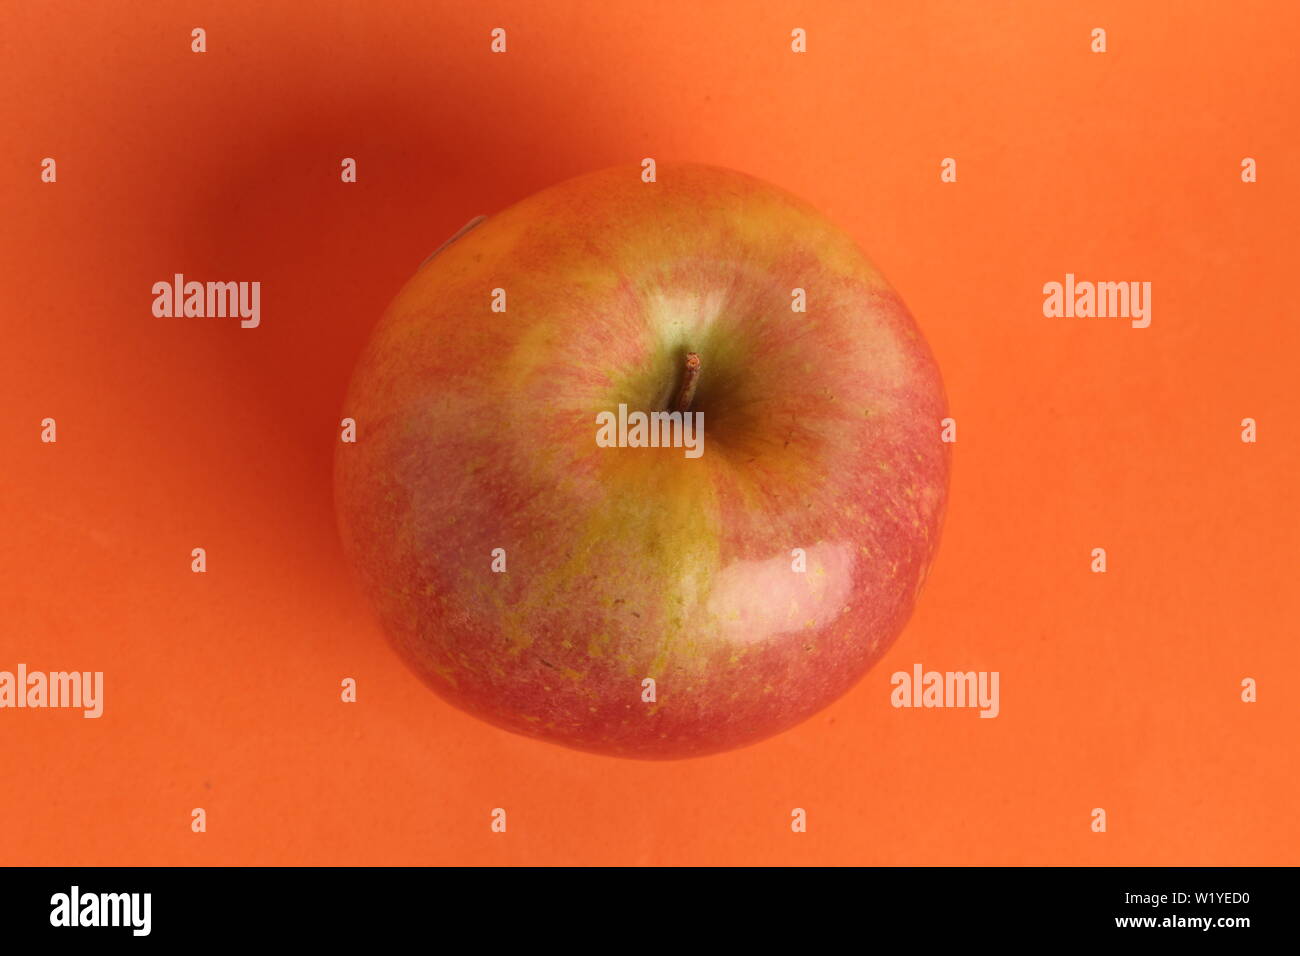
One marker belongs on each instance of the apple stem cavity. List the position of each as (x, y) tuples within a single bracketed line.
[(690, 378)]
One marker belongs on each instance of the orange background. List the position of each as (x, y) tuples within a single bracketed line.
[(222, 690)]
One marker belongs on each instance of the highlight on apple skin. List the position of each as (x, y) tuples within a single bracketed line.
[(636, 601)]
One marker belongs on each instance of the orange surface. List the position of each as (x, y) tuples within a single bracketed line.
[(222, 689)]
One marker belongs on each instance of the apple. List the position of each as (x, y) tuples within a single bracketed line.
[(639, 601)]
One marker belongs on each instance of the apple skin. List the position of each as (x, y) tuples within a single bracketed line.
[(476, 431)]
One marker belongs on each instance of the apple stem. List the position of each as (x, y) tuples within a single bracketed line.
[(690, 379), (459, 232)]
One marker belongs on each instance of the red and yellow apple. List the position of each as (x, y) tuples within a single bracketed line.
[(635, 600)]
